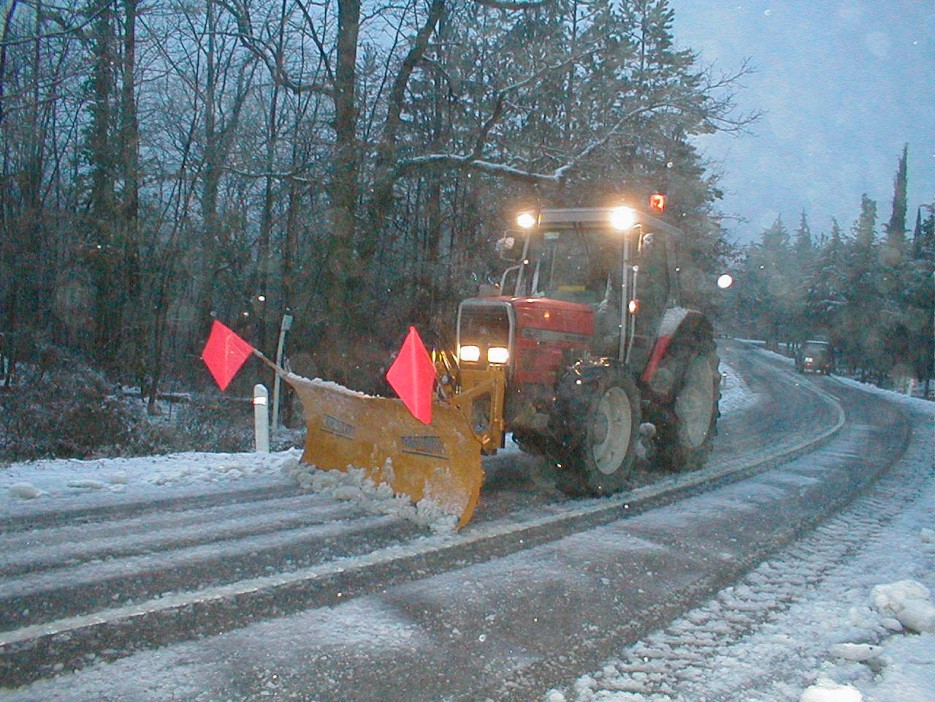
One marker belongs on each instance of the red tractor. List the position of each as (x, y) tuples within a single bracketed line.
[(588, 336)]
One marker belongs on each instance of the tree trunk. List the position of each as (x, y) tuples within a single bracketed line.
[(342, 272), (132, 309)]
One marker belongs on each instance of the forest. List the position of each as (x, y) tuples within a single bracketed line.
[(870, 293), (351, 164)]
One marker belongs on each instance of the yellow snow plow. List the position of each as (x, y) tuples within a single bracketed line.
[(582, 341), (439, 462), (425, 445)]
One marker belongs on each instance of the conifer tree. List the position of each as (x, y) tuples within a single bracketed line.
[(764, 289), (859, 332), (895, 244), (827, 296), (802, 263), (919, 297), (923, 240)]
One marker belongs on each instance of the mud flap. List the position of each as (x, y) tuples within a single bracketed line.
[(439, 462)]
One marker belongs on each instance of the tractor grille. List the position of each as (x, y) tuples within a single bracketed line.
[(485, 324)]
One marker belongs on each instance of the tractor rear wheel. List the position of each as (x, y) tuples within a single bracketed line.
[(686, 426), (595, 423)]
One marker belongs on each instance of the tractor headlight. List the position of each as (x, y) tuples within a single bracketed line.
[(498, 355), (622, 218), (471, 354)]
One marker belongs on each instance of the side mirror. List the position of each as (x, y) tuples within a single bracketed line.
[(510, 248), (646, 243)]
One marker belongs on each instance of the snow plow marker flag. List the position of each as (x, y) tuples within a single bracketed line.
[(225, 353), (412, 377)]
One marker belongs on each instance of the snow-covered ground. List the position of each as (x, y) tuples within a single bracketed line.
[(72, 484), (863, 628), (849, 609)]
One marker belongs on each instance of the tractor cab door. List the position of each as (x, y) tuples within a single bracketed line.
[(653, 290)]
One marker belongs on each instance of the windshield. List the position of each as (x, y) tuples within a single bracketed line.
[(572, 265), (816, 347)]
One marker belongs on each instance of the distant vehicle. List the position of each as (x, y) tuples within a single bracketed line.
[(814, 357)]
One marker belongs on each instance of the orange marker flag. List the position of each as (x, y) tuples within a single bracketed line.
[(412, 376), (224, 354)]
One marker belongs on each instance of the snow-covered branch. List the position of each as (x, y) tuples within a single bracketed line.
[(474, 162)]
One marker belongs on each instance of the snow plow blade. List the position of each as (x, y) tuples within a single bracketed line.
[(439, 462)]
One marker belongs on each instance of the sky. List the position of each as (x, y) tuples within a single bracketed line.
[(848, 627), (843, 85)]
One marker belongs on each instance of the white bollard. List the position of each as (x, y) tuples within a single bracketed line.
[(261, 417)]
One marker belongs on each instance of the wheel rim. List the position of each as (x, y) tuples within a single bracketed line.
[(610, 434), (695, 402)]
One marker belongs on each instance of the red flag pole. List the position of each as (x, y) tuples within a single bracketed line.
[(279, 370)]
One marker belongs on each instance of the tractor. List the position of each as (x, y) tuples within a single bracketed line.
[(590, 343), (580, 351)]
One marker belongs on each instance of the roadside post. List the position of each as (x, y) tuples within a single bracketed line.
[(283, 328), (261, 417)]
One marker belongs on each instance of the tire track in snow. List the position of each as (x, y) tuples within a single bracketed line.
[(69, 545), (699, 657)]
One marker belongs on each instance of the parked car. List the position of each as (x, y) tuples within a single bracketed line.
[(814, 357)]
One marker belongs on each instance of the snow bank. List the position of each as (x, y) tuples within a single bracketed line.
[(25, 491), (61, 483), (908, 602), (826, 690), (353, 485), (735, 394)]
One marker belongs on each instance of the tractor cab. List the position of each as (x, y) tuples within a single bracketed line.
[(617, 261)]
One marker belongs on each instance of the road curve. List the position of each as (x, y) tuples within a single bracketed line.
[(537, 585)]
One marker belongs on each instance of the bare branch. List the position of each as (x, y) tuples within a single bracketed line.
[(518, 5), (271, 59), (475, 163), (67, 29)]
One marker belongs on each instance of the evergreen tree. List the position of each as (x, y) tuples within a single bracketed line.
[(919, 297), (111, 150), (764, 287), (802, 264), (859, 331), (826, 296), (895, 244), (923, 240), (900, 323), (803, 245)]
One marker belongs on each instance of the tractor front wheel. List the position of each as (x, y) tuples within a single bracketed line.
[(595, 423)]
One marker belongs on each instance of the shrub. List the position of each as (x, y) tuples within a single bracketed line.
[(66, 411)]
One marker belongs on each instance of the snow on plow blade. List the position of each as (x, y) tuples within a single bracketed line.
[(439, 462)]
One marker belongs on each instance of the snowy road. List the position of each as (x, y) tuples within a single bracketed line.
[(534, 592)]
